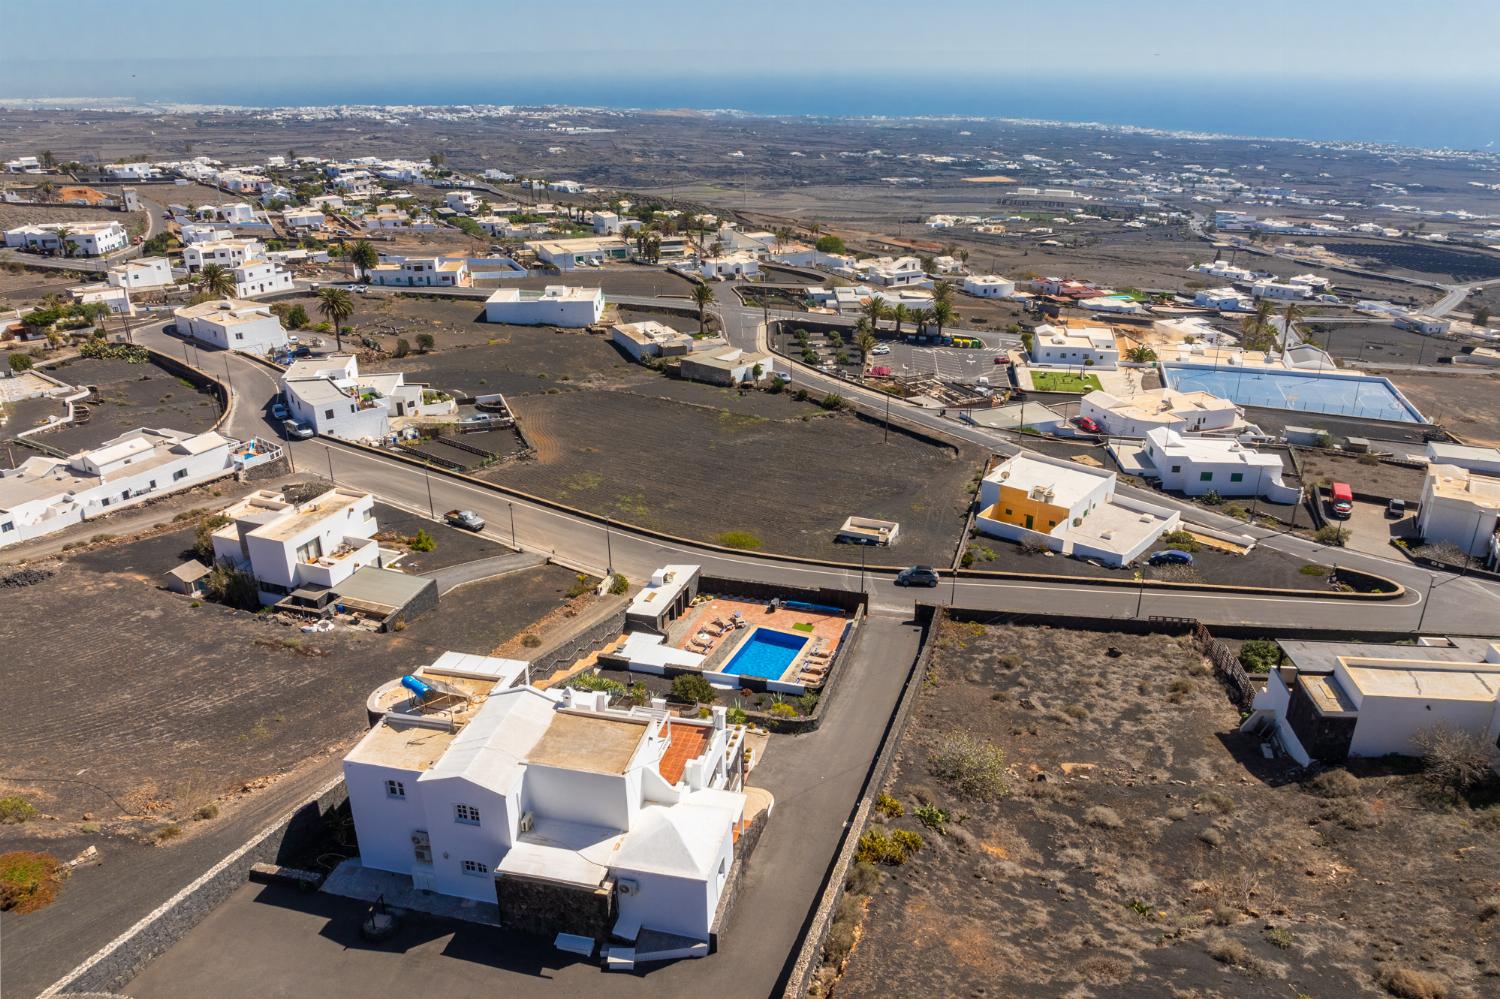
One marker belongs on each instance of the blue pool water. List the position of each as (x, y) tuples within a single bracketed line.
[(765, 654), (1365, 397)]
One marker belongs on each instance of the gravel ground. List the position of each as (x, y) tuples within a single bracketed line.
[(132, 395)]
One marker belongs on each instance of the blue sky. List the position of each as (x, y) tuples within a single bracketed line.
[(1137, 61)]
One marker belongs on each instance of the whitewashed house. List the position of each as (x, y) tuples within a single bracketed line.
[(303, 218), (45, 494), (260, 277), (555, 305), (330, 396), (1197, 466), (1459, 507), (412, 272), (988, 286), (84, 239), (145, 274), (582, 252), (650, 338), (463, 202), (224, 252), (581, 821), (320, 543), (202, 232), (1184, 412), (232, 324), (1224, 299), (1074, 346)]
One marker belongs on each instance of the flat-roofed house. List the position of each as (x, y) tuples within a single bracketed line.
[(583, 822), (649, 338), (233, 324), (320, 543), (1068, 508), (729, 366), (585, 251), (1074, 346), (1184, 412), (1329, 701), (1197, 466), (83, 239), (330, 395), (1459, 507), (554, 305), (45, 494), (413, 272), (145, 274)]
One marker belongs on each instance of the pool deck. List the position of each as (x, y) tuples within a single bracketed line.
[(826, 628)]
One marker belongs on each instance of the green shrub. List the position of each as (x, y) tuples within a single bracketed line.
[(15, 809), (736, 715), (975, 768), (593, 681), (425, 342), (932, 816), (891, 849), (1260, 655), (20, 362), (618, 584), (29, 880), (1333, 534), (531, 641), (203, 536), (1313, 570), (888, 806), (742, 540), (1408, 983), (206, 811), (691, 688), (232, 587), (1180, 539), (421, 541), (781, 709), (403, 348)]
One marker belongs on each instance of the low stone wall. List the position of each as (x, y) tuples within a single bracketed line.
[(575, 647), (124, 957), (729, 897), (547, 908)]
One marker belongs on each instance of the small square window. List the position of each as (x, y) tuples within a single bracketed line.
[(328, 414), (395, 789), (475, 868), (1236, 476), (1205, 476), (467, 814), (1176, 468)]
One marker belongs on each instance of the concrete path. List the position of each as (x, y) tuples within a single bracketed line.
[(454, 576)]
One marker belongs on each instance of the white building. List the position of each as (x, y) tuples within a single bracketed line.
[(988, 286), (232, 325), (1068, 508), (586, 251), (45, 494), (1074, 346), (730, 266), (117, 300), (415, 272), (1485, 460), (23, 164), (1427, 325), (260, 277), (1280, 291), (330, 395), (892, 271), (555, 305), (1196, 466), (84, 239), (303, 218), (1225, 271), (1336, 700), (650, 338), (224, 252), (729, 366), (319, 544), (1184, 412), (1224, 299), (576, 818), (463, 202), (145, 274), (1459, 507), (202, 232), (131, 171)]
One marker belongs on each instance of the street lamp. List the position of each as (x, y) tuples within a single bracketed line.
[(512, 508), (427, 477)]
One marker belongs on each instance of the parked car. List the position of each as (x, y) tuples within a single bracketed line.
[(1086, 424), (917, 575), (467, 519), (881, 350), (1171, 556), (279, 411), (1340, 500), (1002, 358), (1396, 508), (298, 430)]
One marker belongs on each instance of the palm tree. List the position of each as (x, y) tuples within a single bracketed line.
[(1293, 314), (45, 190), (702, 296), (866, 343), (1256, 325), (875, 311), (216, 281), (900, 314), (942, 292), (336, 305), (920, 318), (62, 241), (942, 314), (364, 256)]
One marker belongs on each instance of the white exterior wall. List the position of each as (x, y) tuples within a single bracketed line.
[(260, 277), (1390, 724), (256, 336), (608, 801), (196, 255), (384, 824), (555, 312), (453, 842), (275, 561), (989, 287), (152, 272), (1455, 521), (684, 906)]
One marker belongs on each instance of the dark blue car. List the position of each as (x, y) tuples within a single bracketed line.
[(1171, 556)]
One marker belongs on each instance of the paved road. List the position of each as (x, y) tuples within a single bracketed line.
[(454, 576)]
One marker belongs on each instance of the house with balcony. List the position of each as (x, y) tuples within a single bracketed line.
[(413, 272), (287, 546), (224, 252), (260, 277), (1183, 412), (610, 830), (1068, 508), (145, 274), (73, 239), (44, 494)]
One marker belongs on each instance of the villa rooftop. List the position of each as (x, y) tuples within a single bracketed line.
[(588, 742)]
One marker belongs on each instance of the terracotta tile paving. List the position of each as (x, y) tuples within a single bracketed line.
[(687, 743)]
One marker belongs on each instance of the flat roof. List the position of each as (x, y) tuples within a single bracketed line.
[(588, 742), (382, 587), (330, 504), (551, 293), (1453, 482), (396, 743), (1439, 681), (1068, 485)]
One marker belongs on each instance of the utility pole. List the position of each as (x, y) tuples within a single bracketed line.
[(609, 555), (861, 568), (329, 451), (512, 507), (1426, 601), (887, 418), (427, 476)]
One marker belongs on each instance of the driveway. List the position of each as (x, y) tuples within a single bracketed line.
[(1371, 531)]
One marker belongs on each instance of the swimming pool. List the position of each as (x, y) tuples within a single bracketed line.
[(765, 654), (1363, 396)]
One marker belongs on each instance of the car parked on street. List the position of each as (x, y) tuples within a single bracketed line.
[(917, 575), (467, 519), (300, 431)]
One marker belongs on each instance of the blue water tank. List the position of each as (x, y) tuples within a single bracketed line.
[(416, 686)]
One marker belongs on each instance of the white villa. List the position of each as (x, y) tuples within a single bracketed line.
[(581, 821), (650, 338), (232, 324), (303, 218), (423, 271), (145, 274), (555, 305), (988, 286), (1197, 466), (260, 277), (320, 543), (329, 395), (1068, 508), (1074, 346), (1335, 700), (586, 251), (727, 366), (224, 252), (84, 239), (45, 494), (1184, 412)]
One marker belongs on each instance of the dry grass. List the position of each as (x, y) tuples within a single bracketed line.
[(1408, 983), (29, 880)]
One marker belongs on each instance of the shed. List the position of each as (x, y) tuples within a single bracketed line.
[(189, 578)]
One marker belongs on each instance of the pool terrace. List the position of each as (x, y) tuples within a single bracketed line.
[(717, 628)]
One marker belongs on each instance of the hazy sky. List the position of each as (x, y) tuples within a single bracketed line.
[(168, 47), (1386, 70)]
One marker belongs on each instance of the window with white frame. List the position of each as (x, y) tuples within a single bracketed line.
[(475, 868), (395, 789), (467, 814)]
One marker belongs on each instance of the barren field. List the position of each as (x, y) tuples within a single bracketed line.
[(1465, 404), (131, 396), (697, 460), (1133, 844)]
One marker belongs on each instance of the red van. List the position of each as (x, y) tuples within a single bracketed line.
[(1341, 500)]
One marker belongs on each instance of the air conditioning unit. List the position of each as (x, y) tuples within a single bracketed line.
[(420, 838), (628, 886), (528, 820), (421, 847)]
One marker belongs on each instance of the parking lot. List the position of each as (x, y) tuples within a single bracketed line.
[(953, 364)]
